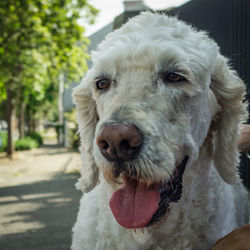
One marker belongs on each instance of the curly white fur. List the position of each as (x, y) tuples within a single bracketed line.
[(199, 118)]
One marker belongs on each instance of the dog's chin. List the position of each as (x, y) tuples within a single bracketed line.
[(137, 205)]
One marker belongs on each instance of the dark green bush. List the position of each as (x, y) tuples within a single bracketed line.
[(76, 140), (26, 143), (3, 141), (37, 137)]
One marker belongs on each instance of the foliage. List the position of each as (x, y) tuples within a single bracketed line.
[(25, 144), (37, 137), (39, 39), (3, 141), (34, 140)]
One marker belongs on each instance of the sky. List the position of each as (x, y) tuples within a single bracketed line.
[(109, 9)]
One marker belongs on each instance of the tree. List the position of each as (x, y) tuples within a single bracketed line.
[(39, 39)]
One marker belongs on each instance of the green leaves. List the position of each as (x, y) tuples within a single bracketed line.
[(39, 39)]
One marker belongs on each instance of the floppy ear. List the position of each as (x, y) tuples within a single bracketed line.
[(229, 90), (87, 119)]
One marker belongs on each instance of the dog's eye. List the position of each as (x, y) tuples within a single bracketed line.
[(103, 84), (172, 78)]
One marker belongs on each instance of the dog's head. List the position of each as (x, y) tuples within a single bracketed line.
[(158, 91)]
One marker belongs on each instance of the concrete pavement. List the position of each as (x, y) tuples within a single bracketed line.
[(38, 201)]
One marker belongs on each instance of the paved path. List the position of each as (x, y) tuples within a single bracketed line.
[(38, 201)]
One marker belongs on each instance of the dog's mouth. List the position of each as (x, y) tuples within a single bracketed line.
[(136, 205)]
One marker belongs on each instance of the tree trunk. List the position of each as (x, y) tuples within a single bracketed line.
[(33, 124), (29, 119), (60, 108), (10, 121), (22, 120)]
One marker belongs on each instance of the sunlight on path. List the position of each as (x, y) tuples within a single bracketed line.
[(38, 201)]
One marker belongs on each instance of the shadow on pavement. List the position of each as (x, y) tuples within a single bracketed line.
[(39, 215)]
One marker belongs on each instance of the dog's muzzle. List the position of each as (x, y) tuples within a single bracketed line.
[(136, 204)]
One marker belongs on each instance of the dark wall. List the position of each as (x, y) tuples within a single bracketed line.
[(228, 23)]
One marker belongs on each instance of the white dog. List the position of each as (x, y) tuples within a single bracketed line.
[(159, 116)]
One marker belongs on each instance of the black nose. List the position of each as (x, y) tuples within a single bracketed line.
[(119, 142)]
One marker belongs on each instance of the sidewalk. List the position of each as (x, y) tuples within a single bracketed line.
[(38, 200)]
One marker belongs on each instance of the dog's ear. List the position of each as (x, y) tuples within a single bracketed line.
[(229, 90), (87, 119)]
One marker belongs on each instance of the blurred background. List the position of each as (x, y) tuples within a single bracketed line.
[(45, 48)]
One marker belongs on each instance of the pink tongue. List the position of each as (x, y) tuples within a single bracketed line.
[(133, 206)]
